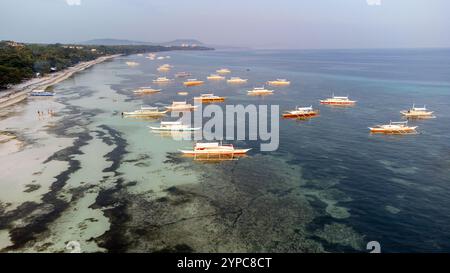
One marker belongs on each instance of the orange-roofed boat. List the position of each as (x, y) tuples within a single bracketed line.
[(193, 82)]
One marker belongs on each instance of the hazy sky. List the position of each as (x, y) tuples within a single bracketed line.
[(252, 23)]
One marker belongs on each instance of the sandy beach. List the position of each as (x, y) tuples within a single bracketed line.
[(20, 91)]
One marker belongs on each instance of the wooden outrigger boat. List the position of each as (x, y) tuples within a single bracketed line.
[(146, 111), (162, 80), (181, 106), (301, 113), (173, 126), (215, 77), (236, 80), (208, 98), (417, 112), (193, 82), (146, 90), (132, 63), (259, 91), (338, 101), (394, 128), (223, 71), (279, 82), (214, 151), (164, 68), (182, 74)]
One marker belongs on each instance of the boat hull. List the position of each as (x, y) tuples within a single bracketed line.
[(259, 93), (346, 103), (192, 83), (410, 130), (131, 114), (196, 153), (209, 100), (278, 84), (309, 115)]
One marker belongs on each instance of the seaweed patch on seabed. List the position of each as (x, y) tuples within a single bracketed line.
[(230, 209), (35, 217)]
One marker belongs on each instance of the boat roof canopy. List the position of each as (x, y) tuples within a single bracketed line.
[(399, 122), (171, 123), (178, 102), (305, 108), (207, 145)]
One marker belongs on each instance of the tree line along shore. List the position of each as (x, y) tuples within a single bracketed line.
[(22, 61)]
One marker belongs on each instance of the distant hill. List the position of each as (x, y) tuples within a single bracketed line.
[(110, 42)]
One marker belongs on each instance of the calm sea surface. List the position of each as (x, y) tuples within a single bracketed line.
[(330, 186)]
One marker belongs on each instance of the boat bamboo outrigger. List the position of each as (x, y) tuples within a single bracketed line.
[(193, 82), (146, 111), (279, 82), (214, 151), (301, 112), (338, 100), (174, 126), (417, 112), (394, 128), (181, 106), (207, 98)]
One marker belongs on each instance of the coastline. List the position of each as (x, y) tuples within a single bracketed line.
[(20, 91)]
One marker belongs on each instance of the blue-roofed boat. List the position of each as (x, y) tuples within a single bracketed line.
[(41, 93)]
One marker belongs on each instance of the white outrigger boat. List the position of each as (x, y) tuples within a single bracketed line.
[(338, 100), (215, 77), (181, 106), (259, 91), (146, 90), (132, 63), (223, 71), (301, 113), (162, 80), (182, 74), (174, 126), (236, 80), (214, 151), (279, 82), (417, 112), (146, 111), (164, 68), (394, 128)]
